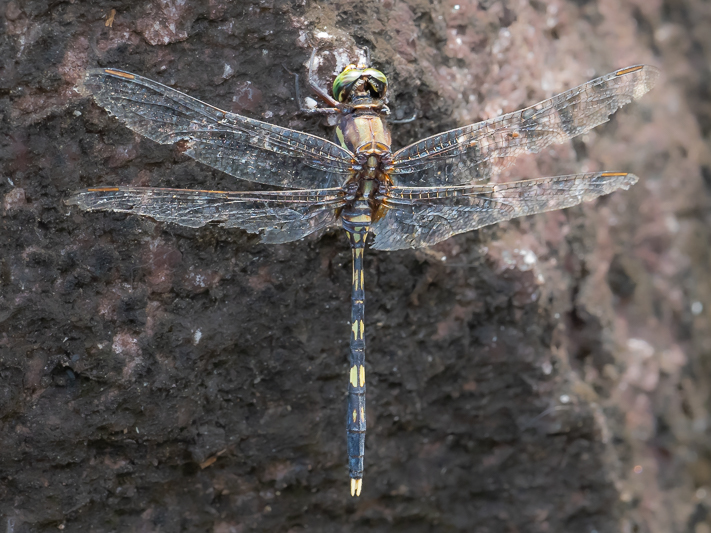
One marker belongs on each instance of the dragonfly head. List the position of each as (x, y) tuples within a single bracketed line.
[(356, 83)]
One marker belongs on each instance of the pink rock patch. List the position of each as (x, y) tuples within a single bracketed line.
[(166, 21), (14, 199), (161, 259)]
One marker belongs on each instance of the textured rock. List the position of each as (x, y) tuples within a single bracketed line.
[(546, 375)]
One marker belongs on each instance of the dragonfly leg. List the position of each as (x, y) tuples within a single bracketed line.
[(313, 82), (312, 110), (355, 428), (402, 120)]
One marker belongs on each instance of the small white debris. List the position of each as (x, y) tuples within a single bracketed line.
[(564, 398), (310, 102), (456, 7), (672, 223), (548, 82), (529, 257), (697, 308), (323, 35), (197, 336), (227, 71), (641, 348)]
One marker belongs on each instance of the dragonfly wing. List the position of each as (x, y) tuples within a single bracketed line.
[(279, 216), (243, 147), (480, 151), (423, 216)]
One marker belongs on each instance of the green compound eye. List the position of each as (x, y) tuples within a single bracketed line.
[(377, 82), (343, 83), (374, 73)]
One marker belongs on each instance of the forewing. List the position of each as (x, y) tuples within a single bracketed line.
[(423, 216), (480, 151), (279, 216), (243, 147)]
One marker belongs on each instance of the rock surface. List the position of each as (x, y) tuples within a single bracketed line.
[(550, 374)]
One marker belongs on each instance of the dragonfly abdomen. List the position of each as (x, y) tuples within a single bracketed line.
[(356, 219)]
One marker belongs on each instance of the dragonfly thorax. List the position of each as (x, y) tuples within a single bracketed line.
[(366, 135)]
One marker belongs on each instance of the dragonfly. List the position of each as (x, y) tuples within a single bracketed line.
[(414, 197)]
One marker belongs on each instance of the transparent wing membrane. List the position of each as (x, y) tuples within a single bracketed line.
[(240, 146), (423, 216), (279, 216), (480, 151)]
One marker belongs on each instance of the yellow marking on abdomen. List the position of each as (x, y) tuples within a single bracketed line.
[(120, 74), (362, 414), (104, 189), (354, 376), (359, 252), (610, 174), (360, 218), (628, 70), (355, 415), (362, 375), (357, 328), (362, 326)]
